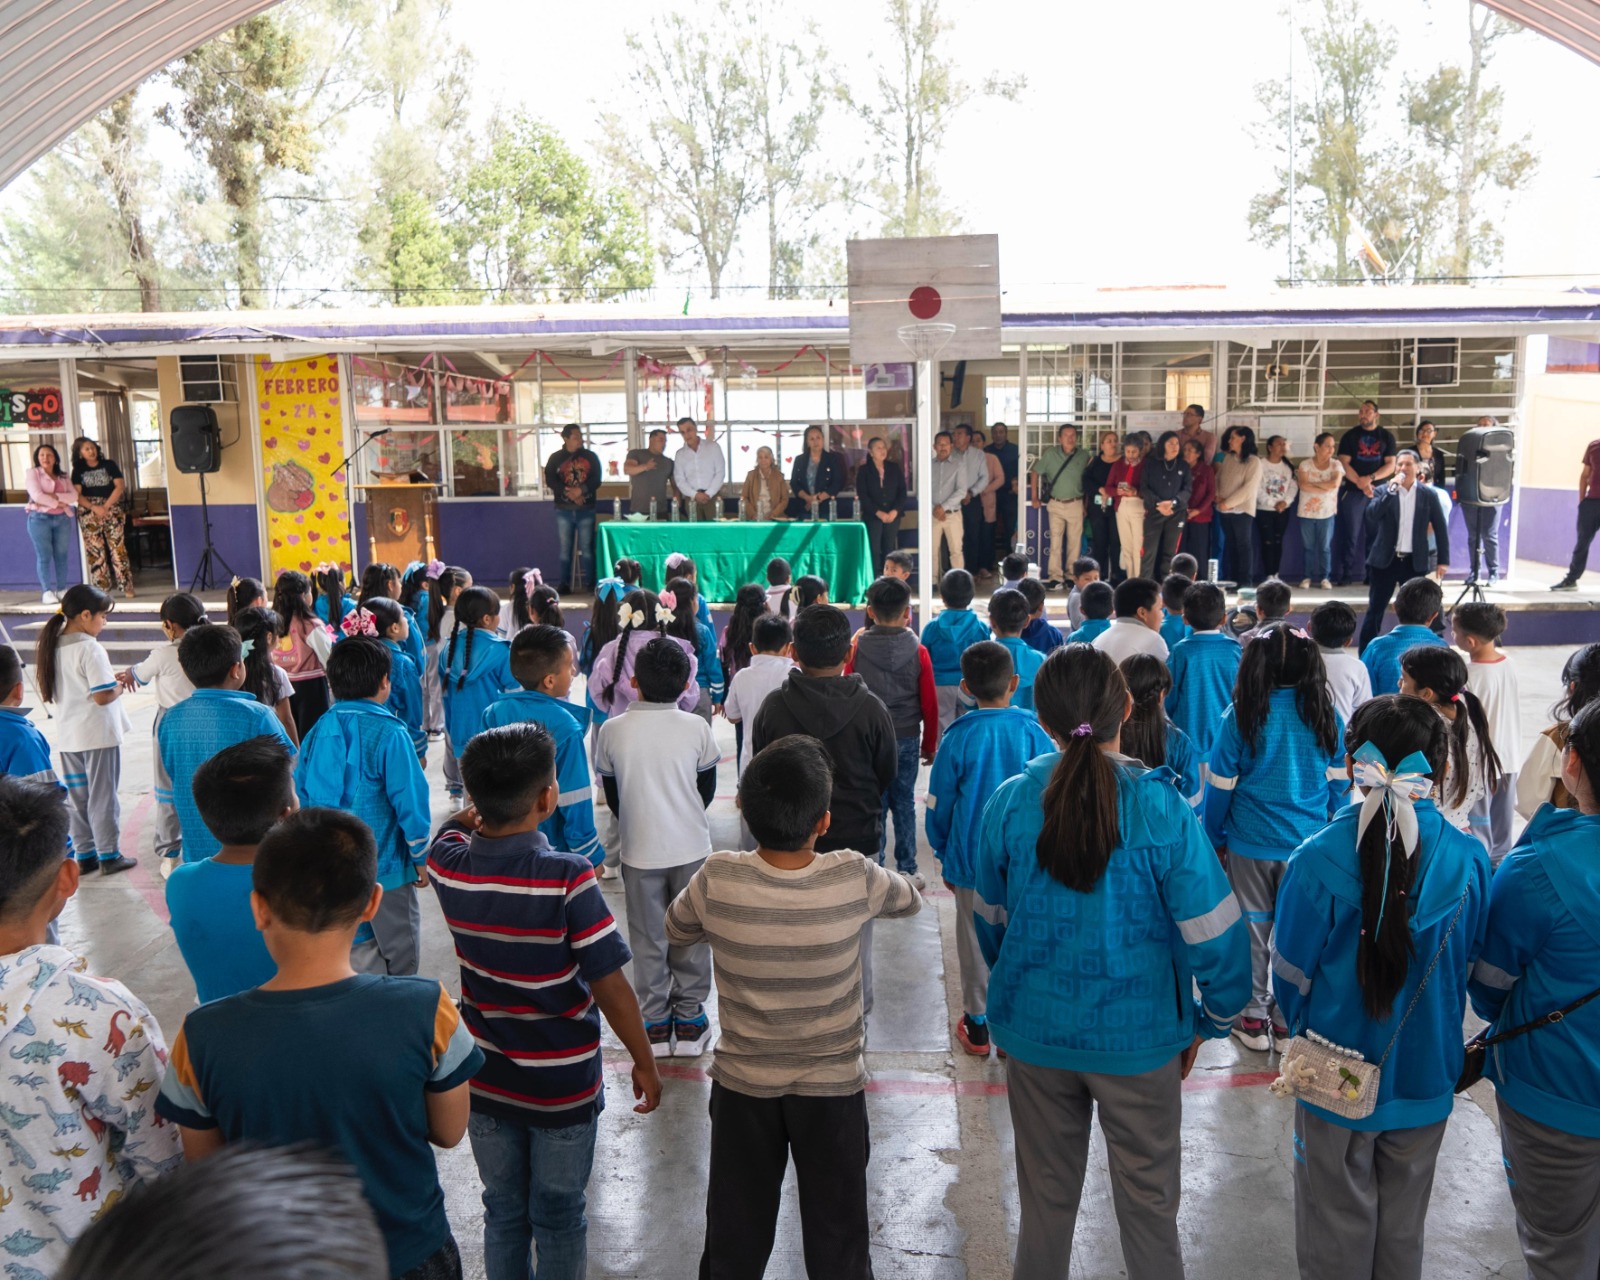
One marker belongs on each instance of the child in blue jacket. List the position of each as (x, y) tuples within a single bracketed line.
[(1277, 772), (980, 751), (542, 662), (1416, 605), (1149, 737), (392, 624), (946, 637), (1100, 905), (474, 671), (1203, 665), (1541, 955), (359, 757), (1379, 919), (1008, 615), (1173, 626)]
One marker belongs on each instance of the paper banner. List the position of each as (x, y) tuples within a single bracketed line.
[(308, 520)]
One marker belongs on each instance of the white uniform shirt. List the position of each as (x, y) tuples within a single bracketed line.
[(83, 669), (656, 752), (749, 689), (1495, 684), (162, 670), (1349, 681), (1408, 516), (1128, 636), (700, 470)]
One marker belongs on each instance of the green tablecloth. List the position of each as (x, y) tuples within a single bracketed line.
[(727, 553)]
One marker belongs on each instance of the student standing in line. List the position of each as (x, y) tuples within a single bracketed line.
[(1204, 666), (1138, 625), (1439, 677), (1541, 956), (1276, 772), (75, 674), (1085, 569), (1492, 677), (643, 616), (264, 680), (1090, 1012), (1539, 779), (1095, 604), (179, 612), (1008, 616), (446, 583), (303, 647), (1333, 627), (1173, 627), (1379, 919), (1148, 736), (1416, 605), (474, 671), (946, 637)]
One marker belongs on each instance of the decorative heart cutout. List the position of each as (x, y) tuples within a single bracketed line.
[(294, 539), (266, 405), (311, 431), (333, 400), (266, 364), (305, 445), (339, 476), (314, 536), (305, 567), (277, 542), (311, 364), (300, 519), (324, 458), (283, 413), (270, 443)]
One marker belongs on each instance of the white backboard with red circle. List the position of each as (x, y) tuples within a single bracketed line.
[(932, 279)]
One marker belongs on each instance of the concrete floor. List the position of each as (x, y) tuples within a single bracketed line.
[(942, 1177)]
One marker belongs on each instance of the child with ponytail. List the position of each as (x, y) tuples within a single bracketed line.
[(1276, 773), (642, 616), (75, 675), (686, 625), (514, 612), (1148, 736), (179, 612), (264, 680), (445, 583), (1379, 919), (391, 624), (474, 671), (1085, 1005), (383, 582), (1439, 677), (1541, 956), (244, 593), (303, 646), (329, 598)]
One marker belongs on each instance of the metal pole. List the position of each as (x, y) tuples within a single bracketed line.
[(927, 568), (1291, 142), (630, 391), (1020, 542)]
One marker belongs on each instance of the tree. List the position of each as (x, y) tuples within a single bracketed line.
[(1459, 118), (691, 159), (528, 220), (412, 254), (919, 95)]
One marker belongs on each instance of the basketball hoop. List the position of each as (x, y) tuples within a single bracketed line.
[(925, 341)]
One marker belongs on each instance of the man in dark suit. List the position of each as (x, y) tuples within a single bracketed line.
[(1398, 522)]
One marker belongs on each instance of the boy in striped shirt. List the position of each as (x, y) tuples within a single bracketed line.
[(541, 958), (788, 1076)]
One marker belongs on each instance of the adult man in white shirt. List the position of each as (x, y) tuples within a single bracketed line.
[(950, 494), (974, 471), (698, 470), (1137, 626)]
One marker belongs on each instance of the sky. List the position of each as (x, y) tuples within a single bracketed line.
[(1127, 161)]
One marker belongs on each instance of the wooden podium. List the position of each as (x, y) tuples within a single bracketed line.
[(399, 521)]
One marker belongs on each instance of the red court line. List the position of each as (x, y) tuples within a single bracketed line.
[(958, 1088), (146, 877)]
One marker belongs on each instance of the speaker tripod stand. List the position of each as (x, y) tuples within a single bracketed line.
[(210, 557), (1470, 590)]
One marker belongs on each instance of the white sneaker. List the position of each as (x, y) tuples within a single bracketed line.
[(1305, 584), (1326, 585), (50, 597), (607, 871)]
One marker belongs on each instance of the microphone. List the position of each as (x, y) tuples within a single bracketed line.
[(375, 434)]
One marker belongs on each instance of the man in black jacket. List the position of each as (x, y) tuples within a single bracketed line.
[(855, 729), (1398, 523), (573, 476)]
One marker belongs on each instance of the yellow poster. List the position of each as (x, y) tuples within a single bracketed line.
[(308, 520)]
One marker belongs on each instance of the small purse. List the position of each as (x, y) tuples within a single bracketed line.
[(1477, 1049), (1340, 1080)]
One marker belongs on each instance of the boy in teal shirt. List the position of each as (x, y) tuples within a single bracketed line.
[(1008, 615)]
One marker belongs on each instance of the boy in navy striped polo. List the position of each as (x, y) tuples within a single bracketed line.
[(541, 959)]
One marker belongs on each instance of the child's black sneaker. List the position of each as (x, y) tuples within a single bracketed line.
[(660, 1037), (974, 1036), (691, 1035)]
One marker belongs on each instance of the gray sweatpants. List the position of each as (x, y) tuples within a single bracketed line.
[(396, 935), (94, 814), (1361, 1198), (974, 968), (1494, 815), (432, 691), (669, 981), (1255, 884), (1141, 1117), (1555, 1189), (953, 704), (169, 835), (452, 768)]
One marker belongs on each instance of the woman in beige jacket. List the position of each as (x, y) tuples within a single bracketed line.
[(1238, 478), (765, 492)]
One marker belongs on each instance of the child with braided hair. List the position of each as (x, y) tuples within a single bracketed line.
[(474, 670), (643, 616)]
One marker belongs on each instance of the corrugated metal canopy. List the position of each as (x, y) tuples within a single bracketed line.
[(61, 61), (1574, 23)]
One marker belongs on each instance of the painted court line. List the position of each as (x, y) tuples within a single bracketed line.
[(958, 1088)]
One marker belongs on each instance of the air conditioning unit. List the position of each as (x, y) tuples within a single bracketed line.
[(208, 379), (1430, 362)]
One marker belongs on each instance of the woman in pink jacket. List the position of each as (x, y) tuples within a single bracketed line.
[(52, 502)]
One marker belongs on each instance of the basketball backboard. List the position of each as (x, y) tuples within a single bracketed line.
[(928, 280)]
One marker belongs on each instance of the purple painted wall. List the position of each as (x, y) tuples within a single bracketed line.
[(488, 537), (17, 562), (235, 532), (1547, 524)]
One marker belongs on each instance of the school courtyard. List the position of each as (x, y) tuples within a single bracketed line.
[(943, 1188)]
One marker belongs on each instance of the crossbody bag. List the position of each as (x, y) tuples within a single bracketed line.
[(1050, 489), (1340, 1080), (1477, 1048)]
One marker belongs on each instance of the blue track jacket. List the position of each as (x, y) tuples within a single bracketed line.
[(1382, 655), (947, 637), (1542, 952), (1089, 630), (487, 680), (1264, 803), (1102, 981), (571, 827), (978, 752), (1203, 670), (405, 694), (1314, 944)]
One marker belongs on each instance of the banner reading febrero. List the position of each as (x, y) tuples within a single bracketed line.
[(308, 520)]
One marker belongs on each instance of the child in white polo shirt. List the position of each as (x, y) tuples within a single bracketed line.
[(658, 765)]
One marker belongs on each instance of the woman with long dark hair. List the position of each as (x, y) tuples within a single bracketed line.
[(103, 514), (52, 503), (818, 475), (1165, 484), (1379, 918), (1238, 479), (1091, 1009), (881, 500)]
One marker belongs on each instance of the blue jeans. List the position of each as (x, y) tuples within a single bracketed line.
[(52, 541), (534, 1182), (1483, 529), (901, 801), (570, 521), (1316, 536)]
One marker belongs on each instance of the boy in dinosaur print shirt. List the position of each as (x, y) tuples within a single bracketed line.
[(81, 1059)]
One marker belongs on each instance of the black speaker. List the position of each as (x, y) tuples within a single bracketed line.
[(196, 442), (1485, 464)]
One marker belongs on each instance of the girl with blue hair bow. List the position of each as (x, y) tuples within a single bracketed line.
[(1380, 918)]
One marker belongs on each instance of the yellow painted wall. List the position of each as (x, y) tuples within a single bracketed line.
[(1563, 416), (236, 481)]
